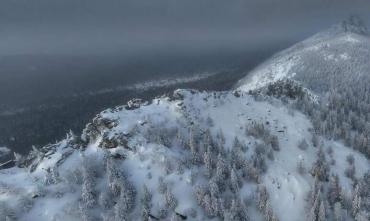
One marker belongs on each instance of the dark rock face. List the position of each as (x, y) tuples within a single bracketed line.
[(135, 103), (96, 128)]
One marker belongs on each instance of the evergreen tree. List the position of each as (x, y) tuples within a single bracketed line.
[(126, 202), (320, 168), (334, 190), (88, 192), (207, 159), (213, 188), (338, 214), (262, 197), (194, 147), (322, 212), (234, 181), (146, 203), (221, 172), (199, 193), (356, 201), (170, 200), (207, 205), (236, 212), (114, 175), (237, 153)]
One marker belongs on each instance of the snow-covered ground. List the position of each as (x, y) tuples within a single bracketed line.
[(27, 194), (336, 49)]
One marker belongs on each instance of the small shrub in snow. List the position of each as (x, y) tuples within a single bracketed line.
[(162, 212), (270, 154), (350, 171), (332, 162), (330, 151), (303, 145), (257, 130), (320, 168), (301, 169), (315, 140), (209, 122), (149, 175), (350, 159), (191, 212), (274, 141), (162, 185)]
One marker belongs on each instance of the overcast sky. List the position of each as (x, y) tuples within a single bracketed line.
[(103, 26)]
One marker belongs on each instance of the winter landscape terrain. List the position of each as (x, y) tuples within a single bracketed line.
[(290, 142), (43, 97)]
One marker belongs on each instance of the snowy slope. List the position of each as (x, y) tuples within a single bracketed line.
[(335, 52), (44, 195)]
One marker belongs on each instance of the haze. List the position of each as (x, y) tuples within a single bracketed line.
[(137, 26)]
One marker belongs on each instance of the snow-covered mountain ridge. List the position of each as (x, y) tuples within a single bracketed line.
[(339, 52), (292, 150), (152, 145)]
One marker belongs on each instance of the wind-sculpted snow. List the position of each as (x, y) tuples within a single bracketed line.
[(163, 159)]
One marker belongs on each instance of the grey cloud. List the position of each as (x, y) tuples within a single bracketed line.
[(61, 26)]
